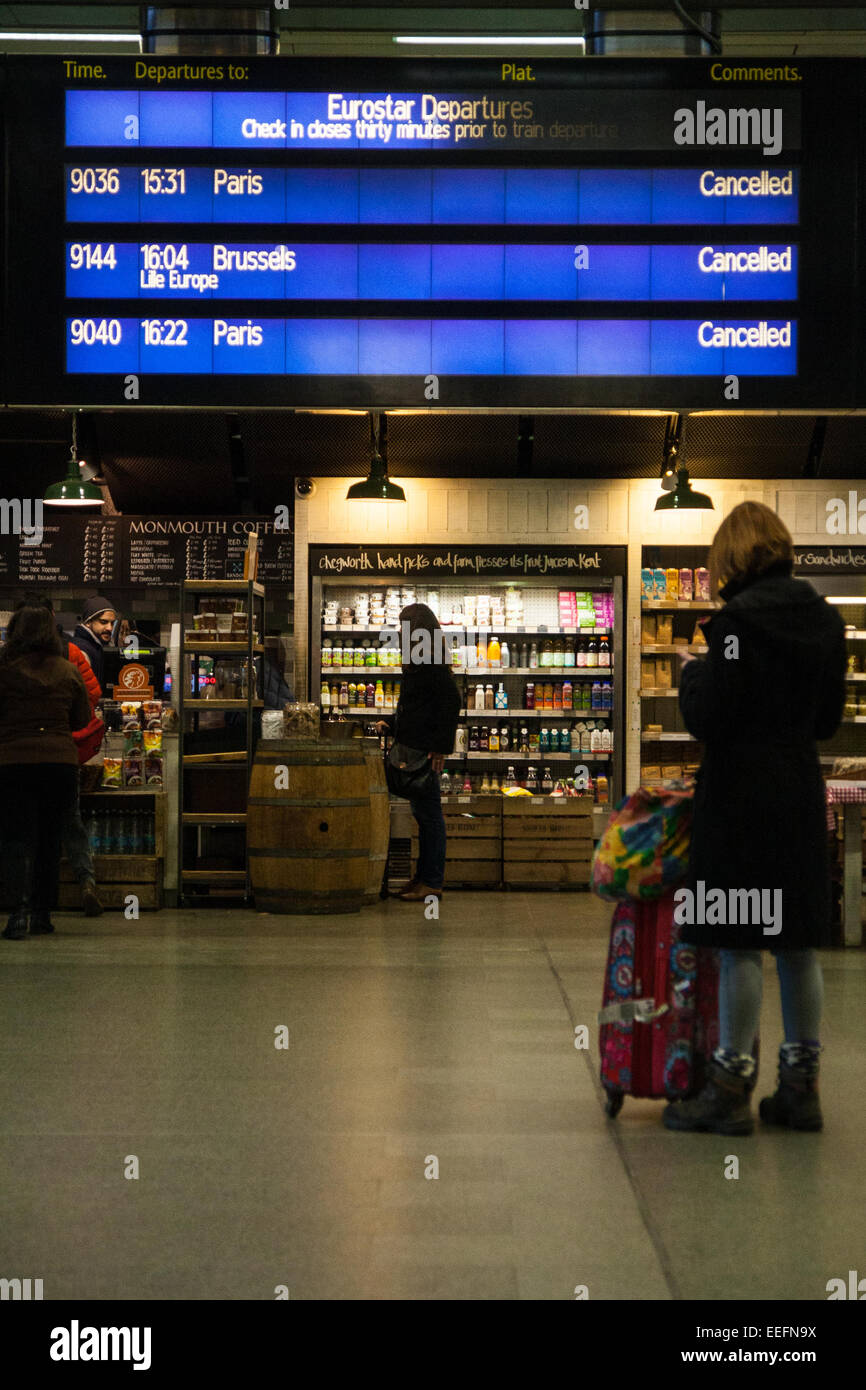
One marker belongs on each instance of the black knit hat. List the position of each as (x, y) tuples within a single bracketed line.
[(95, 605)]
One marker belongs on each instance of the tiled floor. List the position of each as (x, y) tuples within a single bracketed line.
[(411, 1043)]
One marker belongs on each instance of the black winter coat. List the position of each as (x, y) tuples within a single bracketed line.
[(760, 813), (428, 710)]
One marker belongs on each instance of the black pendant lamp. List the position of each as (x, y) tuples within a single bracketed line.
[(678, 495), (377, 487)]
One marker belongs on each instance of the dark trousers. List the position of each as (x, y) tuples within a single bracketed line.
[(427, 811), (34, 797)]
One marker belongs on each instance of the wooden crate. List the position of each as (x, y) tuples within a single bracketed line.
[(473, 825), (112, 895), (547, 842)]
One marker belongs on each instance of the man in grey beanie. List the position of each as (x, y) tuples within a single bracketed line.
[(93, 633)]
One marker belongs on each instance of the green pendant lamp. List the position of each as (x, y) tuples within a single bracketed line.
[(73, 491), (683, 498), (377, 487)]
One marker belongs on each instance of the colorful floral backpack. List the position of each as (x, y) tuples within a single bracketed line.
[(645, 849)]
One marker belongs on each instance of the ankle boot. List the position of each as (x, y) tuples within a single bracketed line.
[(722, 1107), (795, 1104), (17, 926), (41, 924)]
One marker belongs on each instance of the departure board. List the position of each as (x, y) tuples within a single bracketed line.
[(479, 233)]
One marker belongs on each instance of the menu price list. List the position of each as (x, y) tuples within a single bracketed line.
[(73, 550)]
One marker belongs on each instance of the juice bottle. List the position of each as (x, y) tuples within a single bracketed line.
[(489, 698), (494, 653), (504, 739), (592, 652), (500, 700), (325, 696), (529, 697), (533, 657), (379, 696), (505, 659), (568, 655), (493, 740), (371, 695), (344, 695), (389, 695), (581, 652), (484, 739), (604, 651), (547, 654), (567, 695), (548, 695), (479, 696), (558, 653), (353, 694), (557, 696)]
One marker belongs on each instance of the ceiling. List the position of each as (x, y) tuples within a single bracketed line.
[(364, 28)]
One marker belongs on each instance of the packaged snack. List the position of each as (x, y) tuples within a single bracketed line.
[(169, 719), (130, 715), (153, 770), (647, 585), (133, 775), (648, 672), (702, 585), (664, 672), (132, 741), (687, 591), (651, 772), (665, 628), (648, 629), (153, 740), (152, 713), (698, 636), (112, 772)]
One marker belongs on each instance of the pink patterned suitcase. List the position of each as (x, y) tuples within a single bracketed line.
[(659, 1020)]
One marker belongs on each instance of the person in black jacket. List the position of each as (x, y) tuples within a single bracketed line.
[(771, 685), (93, 633), (426, 721)]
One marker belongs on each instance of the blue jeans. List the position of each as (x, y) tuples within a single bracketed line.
[(740, 988), (432, 845), (76, 842)]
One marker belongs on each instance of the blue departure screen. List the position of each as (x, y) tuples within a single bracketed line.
[(253, 258), (409, 346)]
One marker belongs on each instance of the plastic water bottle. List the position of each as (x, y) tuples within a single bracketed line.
[(149, 834)]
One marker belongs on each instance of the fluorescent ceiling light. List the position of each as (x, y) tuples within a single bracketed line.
[(18, 35), (512, 40)]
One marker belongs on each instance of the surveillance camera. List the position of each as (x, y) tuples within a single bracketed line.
[(304, 487)]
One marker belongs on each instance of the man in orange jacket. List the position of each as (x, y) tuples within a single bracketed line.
[(76, 843)]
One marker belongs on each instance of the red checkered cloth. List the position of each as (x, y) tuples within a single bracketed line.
[(842, 793)]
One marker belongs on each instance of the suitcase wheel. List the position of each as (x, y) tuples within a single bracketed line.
[(613, 1104)]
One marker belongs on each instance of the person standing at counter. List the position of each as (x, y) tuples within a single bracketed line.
[(93, 633), (75, 840), (42, 699), (771, 685), (425, 721)]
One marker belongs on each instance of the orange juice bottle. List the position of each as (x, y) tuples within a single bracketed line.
[(494, 652)]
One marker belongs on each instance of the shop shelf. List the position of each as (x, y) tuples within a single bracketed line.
[(672, 605), (214, 876), (477, 714), (223, 586), (214, 817), (360, 671), (192, 704), (855, 719), (533, 757), (667, 738), (656, 693), (856, 676), (855, 636), (195, 645), (671, 648), (350, 628)]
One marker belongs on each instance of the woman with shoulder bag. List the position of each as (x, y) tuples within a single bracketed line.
[(771, 686), (42, 699), (424, 726)]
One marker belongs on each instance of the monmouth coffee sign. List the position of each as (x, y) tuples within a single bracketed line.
[(566, 562)]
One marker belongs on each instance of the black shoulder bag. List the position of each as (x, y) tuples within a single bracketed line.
[(409, 771)]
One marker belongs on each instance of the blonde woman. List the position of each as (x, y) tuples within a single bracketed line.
[(771, 686)]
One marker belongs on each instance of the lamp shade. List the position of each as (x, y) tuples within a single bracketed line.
[(683, 498), (73, 491), (377, 487)]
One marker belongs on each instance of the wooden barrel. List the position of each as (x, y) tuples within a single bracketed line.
[(380, 812), (310, 826)]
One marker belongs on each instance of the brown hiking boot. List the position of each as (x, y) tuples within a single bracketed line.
[(795, 1104), (722, 1107)]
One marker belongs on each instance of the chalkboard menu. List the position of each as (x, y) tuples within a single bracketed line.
[(153, 552), (473, 232)]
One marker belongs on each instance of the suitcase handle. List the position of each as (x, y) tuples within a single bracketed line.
[(633, 1011)]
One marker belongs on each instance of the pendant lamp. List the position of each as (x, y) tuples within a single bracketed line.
[(73, 491), (377, 487), (683, 498)]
